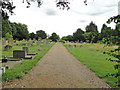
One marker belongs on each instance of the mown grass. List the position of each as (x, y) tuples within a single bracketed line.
[(95, 60), (20, 70)]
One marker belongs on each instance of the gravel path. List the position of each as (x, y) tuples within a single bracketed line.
[(59, 69)]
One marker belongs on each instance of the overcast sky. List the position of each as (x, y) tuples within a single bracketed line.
[(63, 22)]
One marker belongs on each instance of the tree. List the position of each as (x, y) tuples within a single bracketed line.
[(22, 31), (7, 7), (87, 37), (91, 28), (54, 37), (116, 52), (78, 35), (106, 32), (68, 38), (94, 32), (32, 35), (6, 27), (41, 34), (8, 36)]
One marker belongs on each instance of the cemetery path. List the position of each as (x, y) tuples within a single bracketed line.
[(59, 69)]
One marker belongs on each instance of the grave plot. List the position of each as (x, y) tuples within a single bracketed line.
[(17, 58), (28, 54)]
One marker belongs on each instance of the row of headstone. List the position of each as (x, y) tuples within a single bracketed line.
[(73, 46)]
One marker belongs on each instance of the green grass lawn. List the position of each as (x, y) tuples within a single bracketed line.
[(20, 70), (95, 60)]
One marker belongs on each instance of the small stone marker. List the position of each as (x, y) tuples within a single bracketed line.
[(26, 50), (28, 44), (18, 54), (80, 45), (73, 47), (40, 49), (69, 45)]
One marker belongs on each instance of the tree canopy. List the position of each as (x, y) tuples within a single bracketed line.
[(41, 34), (54, 37), (78, 35), (17, 30)]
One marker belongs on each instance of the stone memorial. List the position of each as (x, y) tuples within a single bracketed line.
[(80, 45), (26, 50), (40, 49), (69, 45), (73, 47), (18, 54)]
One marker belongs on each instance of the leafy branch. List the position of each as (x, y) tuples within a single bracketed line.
[(116, 52)]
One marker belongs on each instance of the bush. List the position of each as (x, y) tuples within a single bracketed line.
[(7, 47), (63, 41), (33, 44)]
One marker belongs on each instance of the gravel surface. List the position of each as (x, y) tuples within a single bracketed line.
[(59, 69)]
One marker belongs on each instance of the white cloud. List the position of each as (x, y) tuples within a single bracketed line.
[(51, 19)]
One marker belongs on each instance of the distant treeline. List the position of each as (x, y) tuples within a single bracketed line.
[(19, 31), (91, 34)]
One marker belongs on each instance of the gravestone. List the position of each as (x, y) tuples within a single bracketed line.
[(28, 44), (80, 45), (40, 49), (18, 54), (73, 47), (26, 50), (69, 45)]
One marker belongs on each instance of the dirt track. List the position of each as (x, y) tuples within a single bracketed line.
[(59, 69)]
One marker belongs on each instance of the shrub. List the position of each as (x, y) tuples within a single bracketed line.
[(33, 44), (63, 41), (7, 47)]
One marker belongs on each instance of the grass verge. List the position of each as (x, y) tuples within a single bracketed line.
[(95, 61)]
